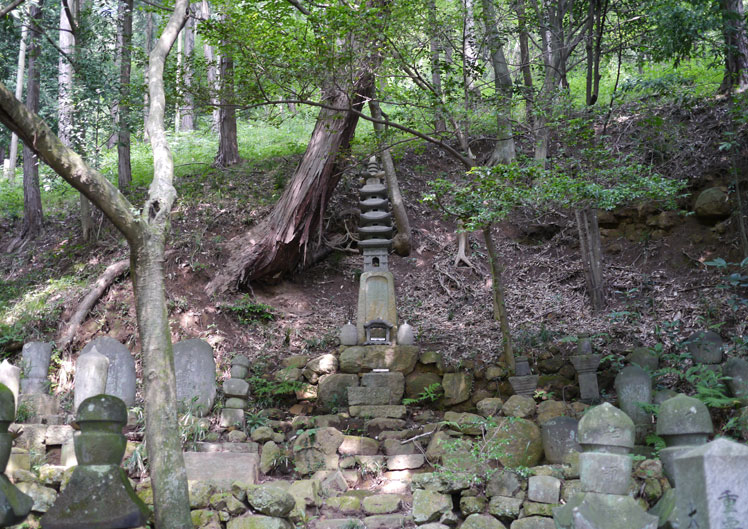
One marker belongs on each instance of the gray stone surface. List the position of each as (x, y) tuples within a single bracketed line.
[(503, 483), (221, 468), (586, 367), (384, 521), (270, 500), (195, 370), (405, 335), (10, 377), (457, 387), (519, 406), (121, 375), (518, 441), (559, 438), (684, 421), (605, 473), (360, 359), (35, 367), (712, 485), (390, 411), (482, 521), (737, 371), (505, 507), (705, 347), (405, 461), (606, 426), (90, 376), (332, 391), (381, 503), (356, 445), (489, 407), (634, 388), (393, 381), (428, 506), (605, 511), (258, 522), (236, 387), (361, 396), (533, 522), (544, 489), (645, 358), (713, 203)]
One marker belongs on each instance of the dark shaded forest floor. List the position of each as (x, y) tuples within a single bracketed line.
[(659, 288)]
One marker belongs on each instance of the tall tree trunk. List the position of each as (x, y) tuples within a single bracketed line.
[(504, 152), (145, 230), (124, 169), (148, 47), (212, 73), (435, 44), (736, 46), (401, 244), (499, 303), (279, 243), (10, 168), (188, 108), (590, 247), (228, 143), (32, 199), (524, 54)]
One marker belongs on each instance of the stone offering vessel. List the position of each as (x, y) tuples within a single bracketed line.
[(99, 495), (14, 504)]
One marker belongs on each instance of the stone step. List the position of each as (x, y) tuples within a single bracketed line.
[(376, 412)]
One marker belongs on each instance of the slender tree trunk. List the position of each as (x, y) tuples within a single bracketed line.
[(65, 76), (228, 144), (148, 47), (279, 243), (10, 169), (180, 60), (402, 241), (736, 46), (145, 231), (524, 54), (590, 247), (435, 44), (124, 169), (499, 304), (188, 109), (212, 73), (504, 152), (32, 200)]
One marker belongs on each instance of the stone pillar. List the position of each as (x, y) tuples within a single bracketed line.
[(14, 504), (586, 366), (684, 423), (523, 382), (712, 491), (634, 388), (91, 373), (99, 493)]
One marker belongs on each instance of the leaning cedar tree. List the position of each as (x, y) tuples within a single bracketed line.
[(279, 243)]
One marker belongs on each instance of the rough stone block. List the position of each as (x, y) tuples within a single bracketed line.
[(393, 381), (221, 468), (544, 489), (389, 411), (405, 462), (362, 396)]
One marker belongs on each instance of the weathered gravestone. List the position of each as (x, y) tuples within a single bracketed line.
[(524, 382), (644, 357), (736, 369), (36, 357), (684, 423), (712, 486), (195, 371), (121, 379), (14, 504), (705, 347), (99, 494), (91, 373), (634, 388), (560, 439)]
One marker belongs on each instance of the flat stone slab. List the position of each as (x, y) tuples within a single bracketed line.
[(405, 461), (390, 412), (236, 448), (221, 468), (364, 358)]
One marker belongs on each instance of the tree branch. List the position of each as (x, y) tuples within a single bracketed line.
[(71, 18), (10, 7)]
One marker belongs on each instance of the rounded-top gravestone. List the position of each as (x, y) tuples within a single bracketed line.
[(195, 371), (348, 334), (705, 347), (644, 357), (121, 379), (91, 372), (100, 440), (684, 420), (634, 388), (737, 371), (606, 428)]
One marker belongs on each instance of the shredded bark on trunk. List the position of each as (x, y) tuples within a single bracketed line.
[(279, 243)]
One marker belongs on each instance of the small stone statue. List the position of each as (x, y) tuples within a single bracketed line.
[(99, 493)]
